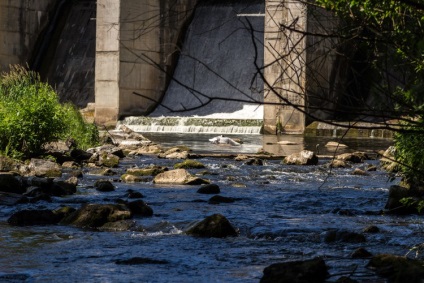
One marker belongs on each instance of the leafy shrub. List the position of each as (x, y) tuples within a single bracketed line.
[(31, 115)]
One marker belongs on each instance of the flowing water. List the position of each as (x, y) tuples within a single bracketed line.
[(281, 212)]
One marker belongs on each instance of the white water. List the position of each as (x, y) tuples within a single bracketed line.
[(196, 129)]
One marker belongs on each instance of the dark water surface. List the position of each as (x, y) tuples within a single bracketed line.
[(282, 213)]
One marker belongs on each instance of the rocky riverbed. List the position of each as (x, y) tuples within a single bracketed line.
[(140, 212)]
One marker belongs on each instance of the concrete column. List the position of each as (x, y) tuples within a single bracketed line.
[(135, 54), (107, 60), (285, 70), (21, 22)]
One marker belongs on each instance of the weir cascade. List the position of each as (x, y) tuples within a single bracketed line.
[(212, 59)]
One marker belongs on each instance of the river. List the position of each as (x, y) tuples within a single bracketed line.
[(282, 213)]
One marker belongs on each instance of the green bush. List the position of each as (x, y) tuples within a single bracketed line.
[(31, 115)]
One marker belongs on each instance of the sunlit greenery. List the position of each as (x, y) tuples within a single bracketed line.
[(31, 115), (393, 32)]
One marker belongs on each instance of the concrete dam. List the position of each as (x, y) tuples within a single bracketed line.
[(188, 59)]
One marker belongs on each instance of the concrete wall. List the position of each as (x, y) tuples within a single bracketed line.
[(285, 72), (135, 53), (21, 21)]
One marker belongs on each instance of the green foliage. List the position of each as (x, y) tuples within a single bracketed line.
[(393, 31), (31, 115), (85, 135), (418, 204)]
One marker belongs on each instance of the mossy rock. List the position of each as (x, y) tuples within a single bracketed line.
[(108, 160), (148, 171), (97, 215), (189, 164)]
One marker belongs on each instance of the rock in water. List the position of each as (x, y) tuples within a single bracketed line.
[(214, 226), (313, 270), (305, 157)]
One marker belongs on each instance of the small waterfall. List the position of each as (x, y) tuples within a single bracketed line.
[(189, 125)]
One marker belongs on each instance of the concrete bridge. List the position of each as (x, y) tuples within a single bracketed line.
[(136, 50)]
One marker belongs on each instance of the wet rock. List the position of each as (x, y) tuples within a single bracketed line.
[(241, 157), (361, 253), (355, 157), (140, 208), (80, 155), (308, 271), (140, 260), (359, 172), (11, 184), (305, 157), (62, 188), (209, 189), (108, 160), (335, 163), (104, 186), (129, 178), (132, 194), (33, 217), (118, 226), (214, 226), (179, 152), (178, 177), (371, 229), (103, 172), (145, 149), (343, 236), (10, 198), (70, 164), (97, 215), (147, 171), (77, 173), (255, 161), (44, 168), (220, 199), (64, 211), (189, 164), (397, 268)]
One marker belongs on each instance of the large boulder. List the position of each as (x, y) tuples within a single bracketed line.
[(104, 186), (305, 157), (108, 160), (397, 268), (178, 177), (307, 271), (140, 208), (97, 215), (44, 168), (214, 226)]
